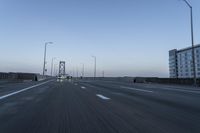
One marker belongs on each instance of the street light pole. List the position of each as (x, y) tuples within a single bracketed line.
[(55, 70), (192, 40), (83, 70), (52, 65), (45, 52), (95, 66), (77, 73), (73, 73)]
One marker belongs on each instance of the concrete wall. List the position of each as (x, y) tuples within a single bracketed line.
[(117, 79), (181, 81), (21, 76)]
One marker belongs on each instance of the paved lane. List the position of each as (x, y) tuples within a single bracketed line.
[(170, 110), (67, 107), (13, 87)]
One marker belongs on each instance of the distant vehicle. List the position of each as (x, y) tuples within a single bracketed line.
[(64, 77), (61, 77)]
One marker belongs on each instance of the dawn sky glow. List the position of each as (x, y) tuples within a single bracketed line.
[(128, 37)]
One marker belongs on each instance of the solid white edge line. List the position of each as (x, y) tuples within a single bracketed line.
[(174, 89), (22, 90), (130, 88), (102, 97)]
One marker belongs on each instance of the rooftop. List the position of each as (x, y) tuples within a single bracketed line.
[(188, 48)]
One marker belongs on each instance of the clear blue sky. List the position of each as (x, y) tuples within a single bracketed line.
[(129, 37)]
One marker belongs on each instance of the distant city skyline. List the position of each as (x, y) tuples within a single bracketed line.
[(129, 38)]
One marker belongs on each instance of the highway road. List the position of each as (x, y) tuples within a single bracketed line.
[(53, 106)]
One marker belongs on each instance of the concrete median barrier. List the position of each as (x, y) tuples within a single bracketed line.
[(17, 77)]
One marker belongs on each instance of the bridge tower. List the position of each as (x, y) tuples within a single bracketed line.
[(62, 68)]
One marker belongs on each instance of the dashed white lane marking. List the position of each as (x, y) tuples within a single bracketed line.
[(75, 84), (130, 88), (83, 87), (22, 90), (102, 97)]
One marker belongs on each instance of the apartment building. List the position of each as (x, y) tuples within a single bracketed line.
[(181, 64)]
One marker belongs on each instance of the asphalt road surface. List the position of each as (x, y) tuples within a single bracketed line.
[(98, 107)]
